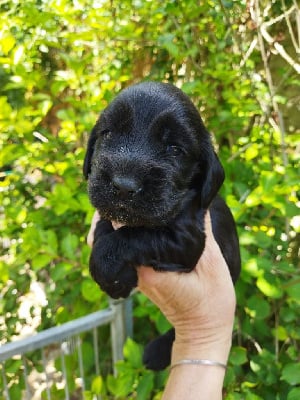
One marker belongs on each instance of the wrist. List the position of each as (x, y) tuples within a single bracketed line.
[(187, 348), (194, 380), (203, 339)]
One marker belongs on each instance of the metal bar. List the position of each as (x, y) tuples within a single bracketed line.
[(46, 374), (56, 334), (118, 331), (128, 317), (25, 374), (96, 351), (96, 356), (64, 372), (80, 360)]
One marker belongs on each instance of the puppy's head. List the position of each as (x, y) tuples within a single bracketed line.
[(148, 155)]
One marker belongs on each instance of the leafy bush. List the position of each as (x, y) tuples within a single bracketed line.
[(61, 63)]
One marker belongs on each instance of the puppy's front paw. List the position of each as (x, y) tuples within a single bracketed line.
[(121, 284), (108, 268)]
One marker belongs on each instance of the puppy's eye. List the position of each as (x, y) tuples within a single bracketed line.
[(174, 150), (105, 134)]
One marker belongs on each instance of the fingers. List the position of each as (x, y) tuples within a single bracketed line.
[(212, 254), (208, 230), (116, 225), (95, 219), (207, 223), (90, 237)]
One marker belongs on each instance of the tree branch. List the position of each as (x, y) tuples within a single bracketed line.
[(270, 40), (286, 15)]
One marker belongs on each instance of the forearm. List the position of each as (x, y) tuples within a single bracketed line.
[(197, 382), (194, 382)]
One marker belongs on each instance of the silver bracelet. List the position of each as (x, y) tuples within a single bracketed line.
[(209, 363)]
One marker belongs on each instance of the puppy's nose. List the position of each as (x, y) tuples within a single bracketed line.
[(126, 186)]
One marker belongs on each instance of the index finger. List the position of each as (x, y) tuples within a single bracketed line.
[(90, 236)]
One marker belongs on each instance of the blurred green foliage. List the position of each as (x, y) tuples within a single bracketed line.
[(61, 63)]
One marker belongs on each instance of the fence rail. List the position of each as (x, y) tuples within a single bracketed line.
[(67, 339)]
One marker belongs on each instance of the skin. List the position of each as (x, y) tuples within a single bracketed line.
[(200, 305)]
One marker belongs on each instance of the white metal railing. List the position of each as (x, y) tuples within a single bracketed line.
[(66, 339)]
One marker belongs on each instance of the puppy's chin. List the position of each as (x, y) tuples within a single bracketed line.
[(124, 217), (145, 213)]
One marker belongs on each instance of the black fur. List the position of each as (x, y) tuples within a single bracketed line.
[(151, 166)]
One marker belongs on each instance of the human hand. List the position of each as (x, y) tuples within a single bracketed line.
[(199, 304)]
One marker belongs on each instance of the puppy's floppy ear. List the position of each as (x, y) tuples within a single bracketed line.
[(212, 180), (87, 164)]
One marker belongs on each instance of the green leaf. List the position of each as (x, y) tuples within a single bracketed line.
[(238, 355), (254, 198), (4, 276), (145, 386), (87, 395), (13, 367), (287, 314), (7, 42), (50, 238), (251, 266), (69, 245), (280, 333), (268, 180), (41, 261), (269, 287), (253, 396), (15, 391), (168, 42), (162, 323), (133, 353), (294, 394), (18, 54), (291, 373), (61, 271), (293, 290), (260, 307), (20, 218), (121, 385), (233, 396), (97, 385), (90, 291), (10, 153)]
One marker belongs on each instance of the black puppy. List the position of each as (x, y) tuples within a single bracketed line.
[(151, 166)]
